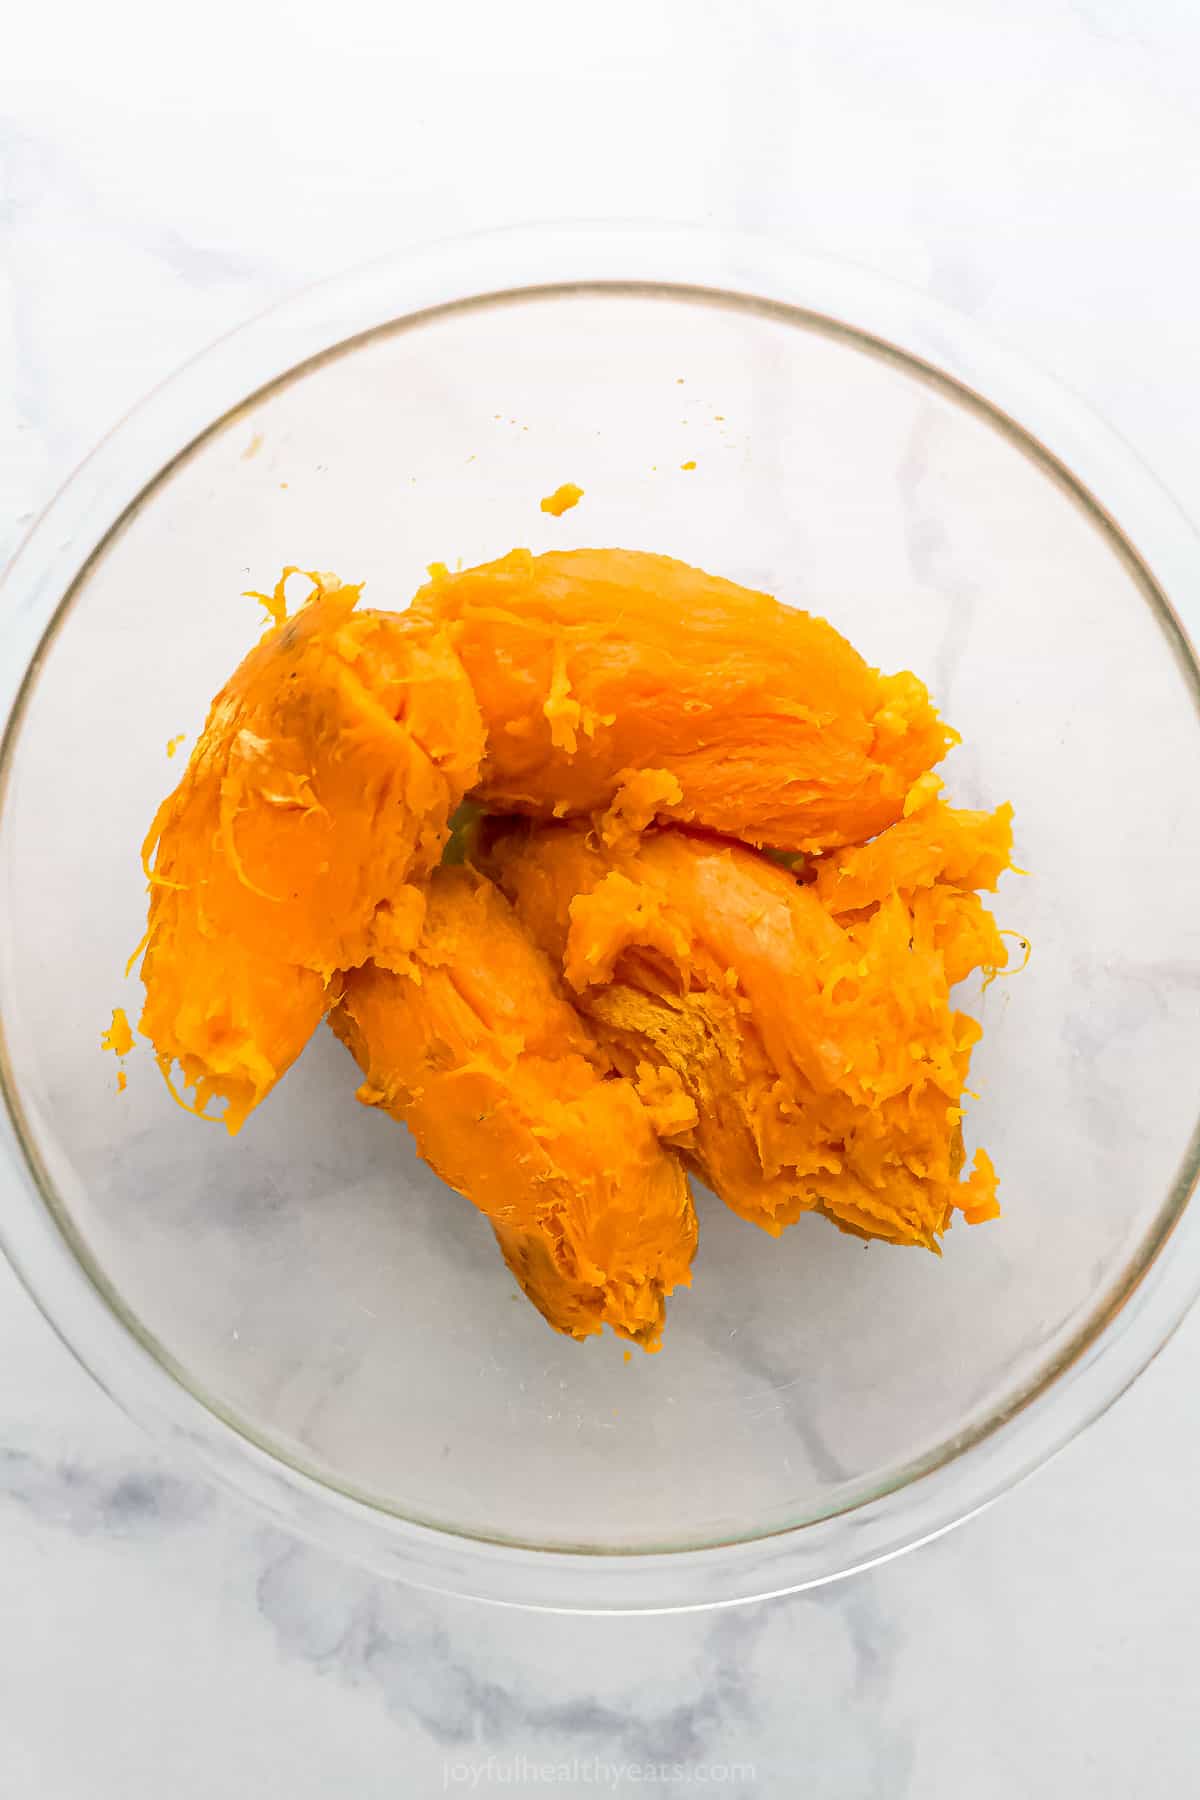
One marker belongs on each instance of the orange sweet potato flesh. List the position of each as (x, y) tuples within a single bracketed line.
[(297, 843), (818, 1047), (512, 1102), (597, 668)]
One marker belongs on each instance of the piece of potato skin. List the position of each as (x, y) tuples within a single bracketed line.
[(824, 1061), (297, 842), (512, 1102), (596, 667)]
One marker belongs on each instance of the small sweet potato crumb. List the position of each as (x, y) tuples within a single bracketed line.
[(562, 499), (119, 1036)]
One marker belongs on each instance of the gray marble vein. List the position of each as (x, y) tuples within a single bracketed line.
[(115, 1500)]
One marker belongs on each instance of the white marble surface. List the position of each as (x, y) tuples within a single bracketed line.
[(1036, 163)]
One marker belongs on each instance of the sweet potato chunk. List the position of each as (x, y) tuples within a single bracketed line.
[(513, 1103), (296, 845), (818, 1049), (595, 668)]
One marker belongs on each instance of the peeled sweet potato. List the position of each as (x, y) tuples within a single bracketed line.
[(612, 676), (603, 985), (818, 1048), (513, 1103), (313, 807)]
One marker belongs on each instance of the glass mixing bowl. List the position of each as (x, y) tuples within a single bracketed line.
[(307, 1307)]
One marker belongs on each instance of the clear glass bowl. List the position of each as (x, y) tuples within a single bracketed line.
[(307, 1307)]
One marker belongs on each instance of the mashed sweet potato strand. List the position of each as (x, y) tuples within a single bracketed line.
[(313, 807), (594, 667), (513, 1103), (821, 1053)]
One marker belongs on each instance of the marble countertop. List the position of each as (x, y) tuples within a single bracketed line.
[(1035, 164)]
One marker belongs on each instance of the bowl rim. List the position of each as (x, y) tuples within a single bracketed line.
[(1124, 1331)]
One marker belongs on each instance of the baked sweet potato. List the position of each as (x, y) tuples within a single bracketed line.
[(512, 1102), (296, 844), (595, 669), (819, 1048)]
